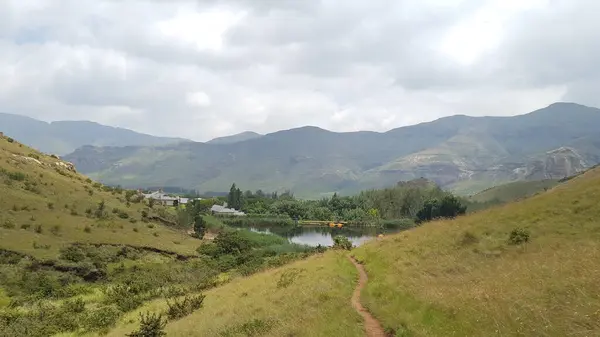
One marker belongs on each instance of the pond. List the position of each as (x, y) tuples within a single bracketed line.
[(321, 235)]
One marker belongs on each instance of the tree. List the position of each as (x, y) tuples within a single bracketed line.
[(232, 242), (448, 206), (199, 227), (451, 207), (231, 196), (234, 198)]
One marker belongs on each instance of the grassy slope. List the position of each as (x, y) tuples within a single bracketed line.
[(23, 207), (514, 191), (316, 302), (435, 281)]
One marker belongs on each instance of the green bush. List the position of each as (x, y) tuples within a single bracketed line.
[(17, 176), (101, 319), (179, 309), (73, 254), (255, 327), (38, 229), (126, 298), (341, 242), (73, 306), (151, 325), (519, 236)]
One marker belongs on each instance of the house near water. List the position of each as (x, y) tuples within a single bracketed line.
[(223, 210), (165, 199)]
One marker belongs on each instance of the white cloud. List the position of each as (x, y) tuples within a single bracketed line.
[(202, 30), (198, 99), (205, 69)]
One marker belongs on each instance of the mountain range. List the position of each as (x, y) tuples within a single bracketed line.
[(64, 137), (461, 153)]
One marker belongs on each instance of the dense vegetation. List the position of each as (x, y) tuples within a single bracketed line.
[(77, 256), (386, 207), (525, 269)]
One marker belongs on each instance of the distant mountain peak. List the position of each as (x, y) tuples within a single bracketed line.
[(239, 137), (63, 137)]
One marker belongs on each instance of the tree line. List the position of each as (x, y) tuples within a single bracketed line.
[(421, 203)]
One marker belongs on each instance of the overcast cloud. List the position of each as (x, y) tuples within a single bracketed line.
[(202, 69)]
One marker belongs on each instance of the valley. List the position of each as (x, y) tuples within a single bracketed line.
[(82, 258)]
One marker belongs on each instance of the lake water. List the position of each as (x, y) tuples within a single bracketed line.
[(321, 235)]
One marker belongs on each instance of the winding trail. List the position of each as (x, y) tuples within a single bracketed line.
[(372, 326)]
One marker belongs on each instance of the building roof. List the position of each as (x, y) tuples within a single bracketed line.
[(224, 210)]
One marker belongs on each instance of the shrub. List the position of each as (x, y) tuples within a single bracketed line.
[(73, 306), (124, 297), (123, 215), (468, 238), (155, 234), (50, 205), (135, 229), (38, 229), (519, 236), (101, 319), (17, 176), (87, 229), (151, 325), (25, 226), (179, 309), (255, 327), (341, 242), (10, 140), (151, 225), (73, 254), (55, 229), (8, 224)]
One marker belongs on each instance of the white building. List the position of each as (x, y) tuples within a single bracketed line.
[(223, 210)]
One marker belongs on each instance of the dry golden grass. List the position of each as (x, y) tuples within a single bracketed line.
[(307, 298), (58, 202), (463, 278)]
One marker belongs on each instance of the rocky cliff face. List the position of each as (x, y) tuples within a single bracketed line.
[(557, 164)]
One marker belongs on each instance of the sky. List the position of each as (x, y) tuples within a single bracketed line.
[(200, 69)]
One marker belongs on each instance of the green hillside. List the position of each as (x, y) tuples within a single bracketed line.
[(46, 206), (513, 191), (468, 278), (461, 153), (528, 268)]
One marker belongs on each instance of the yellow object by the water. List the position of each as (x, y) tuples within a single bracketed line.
[(380, 236), (331, 224), (340, 225)]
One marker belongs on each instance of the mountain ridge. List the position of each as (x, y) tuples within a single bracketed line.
[(63, 137), (461, 153)]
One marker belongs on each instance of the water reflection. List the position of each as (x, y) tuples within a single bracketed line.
[(320, 235)]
